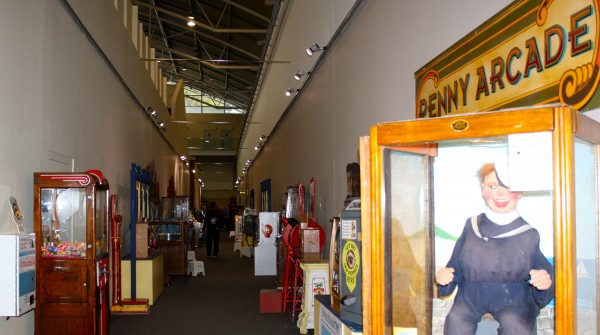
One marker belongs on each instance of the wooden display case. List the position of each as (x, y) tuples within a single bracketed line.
[(71, 214), (418, 181), (175, 208), (171, 241)]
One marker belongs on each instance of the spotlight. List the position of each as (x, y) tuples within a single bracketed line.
[(182, 157), (314, 48), (290, 91), (300, 73), (263, 137), (191, 22)]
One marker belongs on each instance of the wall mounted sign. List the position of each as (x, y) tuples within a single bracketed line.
[(531, 53)]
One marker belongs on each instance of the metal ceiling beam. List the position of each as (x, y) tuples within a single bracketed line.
[(206, 36), (200, 24), (208, 63), (247, 10)]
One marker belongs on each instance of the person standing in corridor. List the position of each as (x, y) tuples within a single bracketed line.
[(213, 222)]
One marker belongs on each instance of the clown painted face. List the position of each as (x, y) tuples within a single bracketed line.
[(498, 198)]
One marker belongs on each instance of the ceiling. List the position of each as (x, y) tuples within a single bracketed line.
[(238, 58), (220, 57)]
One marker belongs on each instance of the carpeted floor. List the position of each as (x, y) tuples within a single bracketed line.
[(224, 302)]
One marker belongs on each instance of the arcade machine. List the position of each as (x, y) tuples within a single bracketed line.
[(71, 223), (425, 188), (17, 278), (350, 267), (265, 252), (249, 230), (346, 256)]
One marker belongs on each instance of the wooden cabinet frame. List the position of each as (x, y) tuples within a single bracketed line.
[(564, 123)]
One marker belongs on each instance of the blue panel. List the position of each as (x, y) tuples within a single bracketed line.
[(26, 283)]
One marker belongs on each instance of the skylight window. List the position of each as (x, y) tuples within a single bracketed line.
[(197, 102)]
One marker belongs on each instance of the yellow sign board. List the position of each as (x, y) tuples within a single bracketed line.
[(533, 52), (351, 263)]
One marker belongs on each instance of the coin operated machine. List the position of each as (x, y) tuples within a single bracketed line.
[(349, 253), (249, 231), (71, 213), (17, 278), (265, 253)]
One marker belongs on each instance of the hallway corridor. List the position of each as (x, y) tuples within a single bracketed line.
[(224, 302)]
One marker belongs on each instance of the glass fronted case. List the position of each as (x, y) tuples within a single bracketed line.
[(175, 208), (422, 188), (171, 240), (71, 214)]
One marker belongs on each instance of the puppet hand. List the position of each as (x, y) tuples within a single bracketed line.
[(444, 276), (540, 279)]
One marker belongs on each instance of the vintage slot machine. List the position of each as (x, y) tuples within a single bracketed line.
[(71, 220), (424, 187), (350, 262)]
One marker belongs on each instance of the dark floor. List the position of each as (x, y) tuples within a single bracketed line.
[(224, 302)]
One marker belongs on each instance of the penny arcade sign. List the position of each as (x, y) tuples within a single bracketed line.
[(533, 52)]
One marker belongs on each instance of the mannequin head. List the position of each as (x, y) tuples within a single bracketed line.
[(496, 195)]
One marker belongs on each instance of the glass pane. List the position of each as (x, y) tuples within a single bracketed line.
[(167, 208), (101, 224), (586, 193), (64, 222), (406, 222), (181, 208), (458, 196), (168, 232)]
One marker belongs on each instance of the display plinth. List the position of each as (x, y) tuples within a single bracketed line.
[(328, 322), (149, 278), (316, 283)]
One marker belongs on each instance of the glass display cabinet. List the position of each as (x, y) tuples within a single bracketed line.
[(420, 186), (171, 241), (175, 208), (71, 214)]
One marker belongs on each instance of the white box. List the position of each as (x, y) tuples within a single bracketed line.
[(17, 278)]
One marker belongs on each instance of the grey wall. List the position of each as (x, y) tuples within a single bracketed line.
[(366, 77)]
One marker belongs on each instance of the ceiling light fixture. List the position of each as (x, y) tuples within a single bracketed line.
[(314, 48), (290, 91), (191, 22), (263, 137), (300, 74)]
